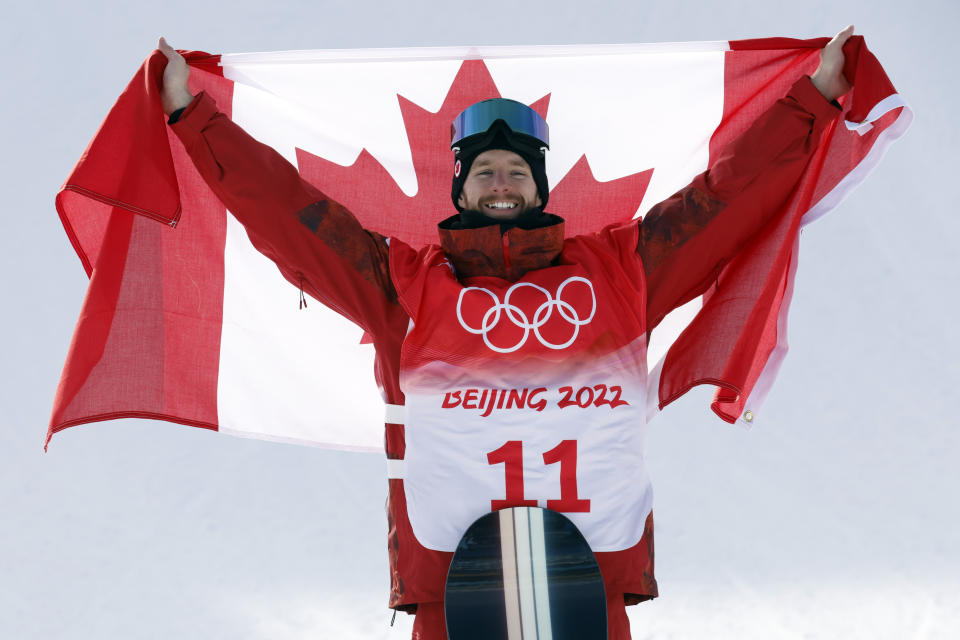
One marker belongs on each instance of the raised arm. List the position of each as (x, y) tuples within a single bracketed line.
[(687, 239), (317, 244)]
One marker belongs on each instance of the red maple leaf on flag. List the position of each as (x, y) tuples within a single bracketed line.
[(372, 195)]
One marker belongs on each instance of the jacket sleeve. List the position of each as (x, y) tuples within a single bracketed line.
[(687, 239), (317, 244)]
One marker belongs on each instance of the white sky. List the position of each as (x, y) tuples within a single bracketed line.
[(836, 518)]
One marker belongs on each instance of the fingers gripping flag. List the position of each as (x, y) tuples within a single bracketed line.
[(184, 321)]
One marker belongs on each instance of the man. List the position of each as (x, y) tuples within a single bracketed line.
[(512, 359)]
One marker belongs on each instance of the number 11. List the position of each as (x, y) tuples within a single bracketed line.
[(511, 455)]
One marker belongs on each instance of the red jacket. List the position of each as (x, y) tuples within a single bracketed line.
[(683, 243)]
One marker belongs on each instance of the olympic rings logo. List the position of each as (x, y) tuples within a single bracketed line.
[(516, 315)]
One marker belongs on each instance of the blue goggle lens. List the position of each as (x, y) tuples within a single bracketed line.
[(479, 117)]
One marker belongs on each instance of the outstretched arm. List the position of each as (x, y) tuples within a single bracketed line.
[(687, 239), (316, 243)]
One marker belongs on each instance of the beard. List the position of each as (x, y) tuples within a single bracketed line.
[(528, 218)]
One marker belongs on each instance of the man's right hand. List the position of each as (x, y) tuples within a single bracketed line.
[(175, 93)]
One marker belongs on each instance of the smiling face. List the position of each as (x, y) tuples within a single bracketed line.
[(500, 184)]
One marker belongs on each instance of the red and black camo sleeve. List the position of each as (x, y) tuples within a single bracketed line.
[(687, 239), (316, 243)]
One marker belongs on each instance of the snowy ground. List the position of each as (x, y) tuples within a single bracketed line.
[(834, 517)]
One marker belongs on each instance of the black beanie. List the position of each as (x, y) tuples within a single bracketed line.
[(499, 136)]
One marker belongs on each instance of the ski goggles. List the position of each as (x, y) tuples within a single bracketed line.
[(479, 117)]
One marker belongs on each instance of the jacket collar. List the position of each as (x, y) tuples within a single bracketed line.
[(507, 253)]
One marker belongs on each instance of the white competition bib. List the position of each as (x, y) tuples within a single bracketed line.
[(575, 447)]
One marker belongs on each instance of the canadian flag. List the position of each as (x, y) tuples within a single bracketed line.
[(185, 321)]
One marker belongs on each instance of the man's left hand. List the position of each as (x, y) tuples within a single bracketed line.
[(829, 78)]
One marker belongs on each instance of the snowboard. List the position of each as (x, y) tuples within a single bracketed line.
[(524, 573)]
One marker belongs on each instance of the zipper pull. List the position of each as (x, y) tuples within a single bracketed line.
[(303, 298)]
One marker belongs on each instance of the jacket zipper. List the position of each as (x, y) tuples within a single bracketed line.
[(506, 252)]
